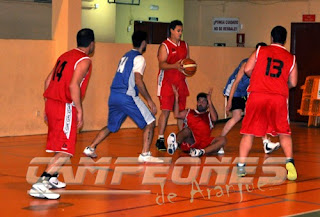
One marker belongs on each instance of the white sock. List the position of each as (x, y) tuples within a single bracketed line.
[(241, 164), (161, 137)]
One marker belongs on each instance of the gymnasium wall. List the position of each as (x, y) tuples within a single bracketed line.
[(257, 17), (168, 10), (102, 20), (26, 63)]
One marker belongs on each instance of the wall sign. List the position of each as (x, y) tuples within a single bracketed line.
[(225, 24)]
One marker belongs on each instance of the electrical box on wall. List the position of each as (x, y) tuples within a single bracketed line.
[(240, 39), (153, 19)]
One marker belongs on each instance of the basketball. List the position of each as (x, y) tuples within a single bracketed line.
[(189, 67)]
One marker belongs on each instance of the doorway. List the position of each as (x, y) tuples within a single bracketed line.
[(305, 44), (157, 32)]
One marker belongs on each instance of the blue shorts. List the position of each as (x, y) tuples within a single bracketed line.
[(121, 105)]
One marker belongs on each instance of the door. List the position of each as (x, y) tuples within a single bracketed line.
[(157, 32), (305, 44)]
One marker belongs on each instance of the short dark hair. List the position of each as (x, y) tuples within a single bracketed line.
[(138, 37), (261, 44), (201, 95), (279, 34), (173, 25), (85, 37)]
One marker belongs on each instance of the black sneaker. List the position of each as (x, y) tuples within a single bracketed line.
[(160, 145)]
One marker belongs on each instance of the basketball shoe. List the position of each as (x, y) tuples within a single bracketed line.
[(172, 143), (146, 157), (160, 144), (41, 190), (270, 146), (194, 152), (241, 170), (292, 172), (221, 151), (90, 152), (55, 183)]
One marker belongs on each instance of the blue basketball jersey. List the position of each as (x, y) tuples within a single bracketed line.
[(124, 81), (242, 86)]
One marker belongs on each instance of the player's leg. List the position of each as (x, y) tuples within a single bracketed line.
[(216, 144), (286, 144), (162, 123), (182, 106), (269, 146), (166, 105), (147, 137), (245, 147), (116, 117), (62, 132), (142, 116), (90, 150), (236, 117), (174, 141)]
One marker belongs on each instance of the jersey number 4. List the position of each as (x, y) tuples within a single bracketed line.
[(277, 65), (122, 64), (58, 70)]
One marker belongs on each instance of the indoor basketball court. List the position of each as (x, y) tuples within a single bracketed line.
[(120, 186)]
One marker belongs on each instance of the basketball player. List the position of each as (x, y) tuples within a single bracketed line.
[(195, 137), (64, 89), (124, 100), (273, 72), (236, 92), (170, 54)]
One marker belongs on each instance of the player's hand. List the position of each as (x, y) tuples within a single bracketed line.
[(152, 107), (209, 95), (175, 90), (79, 119), (45, 118), (178, 65)]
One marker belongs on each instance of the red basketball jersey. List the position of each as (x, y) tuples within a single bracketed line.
[(199, 123), (168, 77), (272, 69), (62, 74)]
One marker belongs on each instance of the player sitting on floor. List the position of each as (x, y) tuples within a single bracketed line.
[(195, 137)]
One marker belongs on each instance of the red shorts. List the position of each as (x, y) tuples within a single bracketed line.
[(167, 102), (266, 114), (62, 127), (199, 144)]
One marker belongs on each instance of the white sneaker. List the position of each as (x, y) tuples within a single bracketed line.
[(148, 158), (270, 146), (221, 151), (196, 152), (90, 152), (41, 190), (172, 144), (55, 183)]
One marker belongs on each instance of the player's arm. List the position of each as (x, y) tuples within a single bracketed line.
[(235, 86), (74, 87), (188, 53), (250, 64), (212, 109), (162, 59), (48, 79), (293, 77), (177, 114), (139, 65)]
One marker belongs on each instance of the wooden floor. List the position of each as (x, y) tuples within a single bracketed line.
[(129, 195)]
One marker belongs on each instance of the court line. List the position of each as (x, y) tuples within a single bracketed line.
[(302, 213), (236, 209)]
